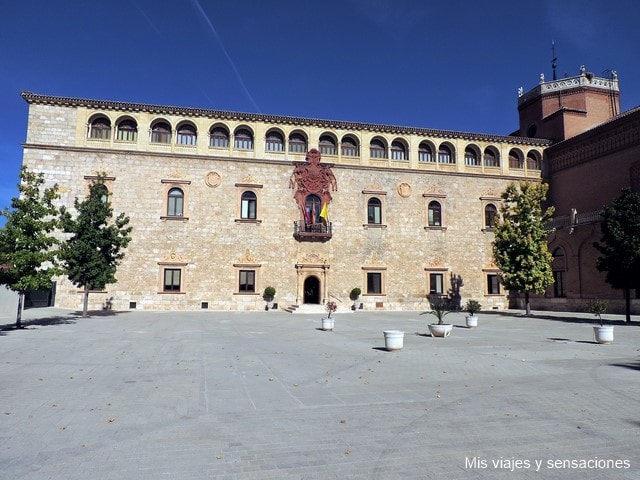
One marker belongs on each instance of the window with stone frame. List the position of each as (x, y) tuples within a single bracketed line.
[(297, 143), (100, 128), (398, 151), (349, 147), (471, 157), (243, 139), (425, 154), (493, 284), (161, 132), (219, 137), (274, 142), (490, 215), (374, 211), (374, 283), (491, 158), (249, 205), (127, 131), (435, 214), (186, 135), (246, 281), (328, 145)]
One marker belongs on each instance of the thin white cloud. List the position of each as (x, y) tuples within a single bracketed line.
[(198, 7)]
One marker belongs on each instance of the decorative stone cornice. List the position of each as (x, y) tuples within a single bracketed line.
[(621, 132), (584, 80), (34, 98)]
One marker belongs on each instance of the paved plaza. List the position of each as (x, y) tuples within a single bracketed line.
[(268, 395)]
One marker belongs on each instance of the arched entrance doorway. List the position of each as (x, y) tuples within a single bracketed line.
[(312, 290)]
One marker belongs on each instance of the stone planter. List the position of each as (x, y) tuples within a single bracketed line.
[(443, 330), (472, 321), (603, 334), (393, 339), (327, 324)]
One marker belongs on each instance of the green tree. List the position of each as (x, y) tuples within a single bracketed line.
[(27, 247), (620, 247), (91, 255), (520, 243)]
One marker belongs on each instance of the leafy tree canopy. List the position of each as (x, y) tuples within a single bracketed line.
[(620, 247), (520, 244), (28, 248), (92, 254)]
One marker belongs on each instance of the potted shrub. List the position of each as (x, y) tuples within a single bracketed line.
[(268, 296), (472, 307), (602, 333), (327, 322), (354, 295), (439, 309)]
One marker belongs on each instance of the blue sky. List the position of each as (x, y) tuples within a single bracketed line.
[(453, 65)]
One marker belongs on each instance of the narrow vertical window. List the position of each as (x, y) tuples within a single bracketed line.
[(436, 283), (175, 203), (490, 215), (248, 206), (493, 284), (374, 282), (435, 214), (374, 211), (559, 266)]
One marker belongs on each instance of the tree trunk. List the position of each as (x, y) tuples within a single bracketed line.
[(19, 312), (85, 302), (627, 304), (527, 304)]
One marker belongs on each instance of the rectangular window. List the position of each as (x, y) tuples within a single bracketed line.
[(436, 283), (247, 281), (171, 280), (558, 283), (374, 282), (493, 284)]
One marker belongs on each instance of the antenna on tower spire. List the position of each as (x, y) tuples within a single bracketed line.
[(554, 59)]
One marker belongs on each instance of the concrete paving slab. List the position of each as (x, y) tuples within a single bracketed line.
[(260, 395)]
